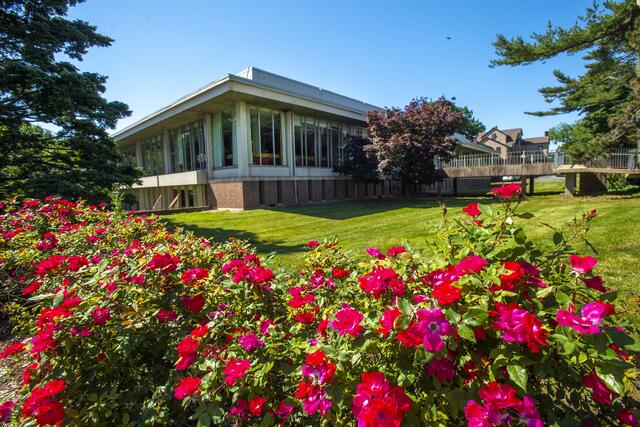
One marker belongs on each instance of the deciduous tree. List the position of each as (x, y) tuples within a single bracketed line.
[(407, 140)]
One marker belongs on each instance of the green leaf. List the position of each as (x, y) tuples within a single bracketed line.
[(544, 292), (569, 347), (217, 413), (452, 316), (267, 420), (610, 378), (457, 399), (466, 333), (402, 322), (204, 420), (519, 375), (557, 238), (562, 298), (405, 307), (475, 316), (58, 299)]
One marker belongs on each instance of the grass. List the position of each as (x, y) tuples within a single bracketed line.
[(358, 225)]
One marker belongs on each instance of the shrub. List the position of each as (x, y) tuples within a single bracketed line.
[(131, 323)]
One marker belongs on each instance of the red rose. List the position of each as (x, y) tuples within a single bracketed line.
[(508, 191), (235, 369), (187, 387), (472, 210), (256, 405)]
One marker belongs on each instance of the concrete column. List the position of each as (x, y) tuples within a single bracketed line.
[(288, 143), (208, 141), (523, 182), (242, 138), (166, 151), (531, 185), (592, 183), (570, 184)]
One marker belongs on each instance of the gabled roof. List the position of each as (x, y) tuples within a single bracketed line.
[(512, 133)]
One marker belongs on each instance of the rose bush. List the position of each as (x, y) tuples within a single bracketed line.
[(123, 322)]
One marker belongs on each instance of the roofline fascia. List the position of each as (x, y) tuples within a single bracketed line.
[(174, 108)]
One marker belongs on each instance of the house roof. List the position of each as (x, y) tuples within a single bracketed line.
[(538, 140), (512, 133)]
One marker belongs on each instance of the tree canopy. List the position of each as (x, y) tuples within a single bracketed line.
[(406, 140), (54, 119), (607, 94)]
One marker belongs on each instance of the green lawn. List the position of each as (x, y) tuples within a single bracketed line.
[(358, 225)]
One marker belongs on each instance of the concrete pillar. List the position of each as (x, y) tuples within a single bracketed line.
[(242, 138), (592, 183), (531, 185), (570, 184), (208, 141), (287, 142)]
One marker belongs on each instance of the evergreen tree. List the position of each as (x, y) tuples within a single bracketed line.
[(607, 94), (54, 120), (358, 162)]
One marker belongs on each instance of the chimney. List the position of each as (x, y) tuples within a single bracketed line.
[(546, 133)]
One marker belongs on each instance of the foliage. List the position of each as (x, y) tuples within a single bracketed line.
[(406, 141), (358, 162), (53, 118), (607, 93), (131, 323), (470, 126)]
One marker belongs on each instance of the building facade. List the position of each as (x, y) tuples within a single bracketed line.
[(247, 140)]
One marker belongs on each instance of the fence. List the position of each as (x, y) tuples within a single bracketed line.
[(618, 159)]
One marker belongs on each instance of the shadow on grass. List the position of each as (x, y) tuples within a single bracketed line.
[(354, 209), (220, 234)]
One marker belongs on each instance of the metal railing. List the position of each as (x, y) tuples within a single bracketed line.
[(480, 160), (618, 159)]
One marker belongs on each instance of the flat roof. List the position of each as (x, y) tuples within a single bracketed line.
[(267, 80)]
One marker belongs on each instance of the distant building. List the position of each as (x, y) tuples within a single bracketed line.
[(512, 141)]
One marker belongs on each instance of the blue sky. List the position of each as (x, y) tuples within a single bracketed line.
[(382, 52)]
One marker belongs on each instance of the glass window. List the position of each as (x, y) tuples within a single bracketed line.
[(152, 156), (319, 143), (129, 156), (323, 146), (278, 155), (265, 128), (310, 142), (228, 147), (254, 126), (266, 138), (187, 146), (336, 145), (298, 145)]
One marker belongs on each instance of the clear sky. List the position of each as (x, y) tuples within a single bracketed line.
[(382, 52)]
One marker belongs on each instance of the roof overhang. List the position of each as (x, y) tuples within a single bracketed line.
[(224, 93)]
